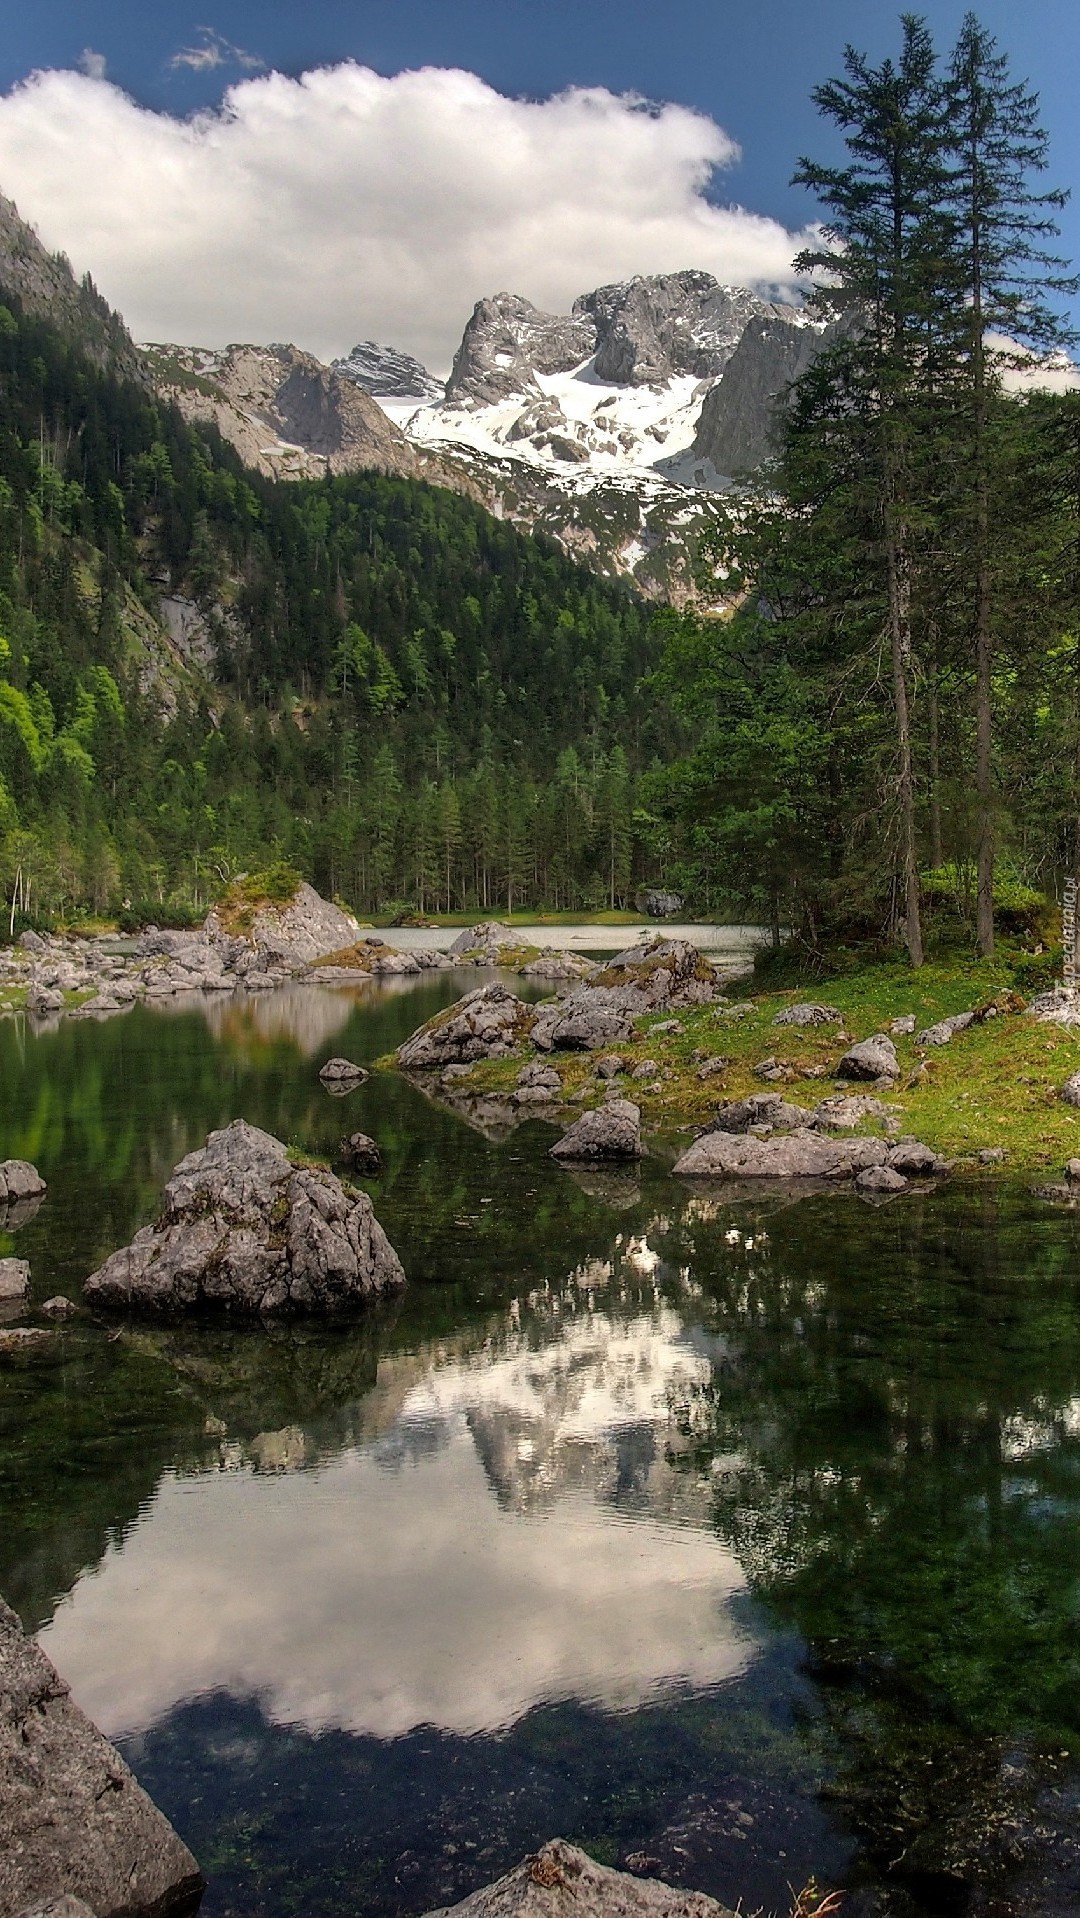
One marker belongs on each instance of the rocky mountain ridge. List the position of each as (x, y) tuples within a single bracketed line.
[(48, 289)]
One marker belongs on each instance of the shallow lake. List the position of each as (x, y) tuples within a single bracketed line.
[(738, 1538)]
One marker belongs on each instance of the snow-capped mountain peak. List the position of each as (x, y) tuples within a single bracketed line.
[(386, 373)]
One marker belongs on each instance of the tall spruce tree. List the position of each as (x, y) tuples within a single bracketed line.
[(885, 233), (1003, 282)]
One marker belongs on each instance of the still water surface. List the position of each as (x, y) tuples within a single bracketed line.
[(730, 1534)]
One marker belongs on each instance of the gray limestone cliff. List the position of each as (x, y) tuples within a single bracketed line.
[(506, 341), (740, 415), (652, 327)]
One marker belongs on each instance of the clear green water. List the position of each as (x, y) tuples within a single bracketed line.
[(745, 1537)]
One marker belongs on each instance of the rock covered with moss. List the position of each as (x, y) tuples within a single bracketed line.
[(485, 1024), (245, 1230)]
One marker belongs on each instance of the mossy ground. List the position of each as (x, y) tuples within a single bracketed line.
[(996, 1084)]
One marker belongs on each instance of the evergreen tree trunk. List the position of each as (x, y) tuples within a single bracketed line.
[(899, 592), (937, 856)]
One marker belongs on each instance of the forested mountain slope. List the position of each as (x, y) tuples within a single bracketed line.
[(201, 670)]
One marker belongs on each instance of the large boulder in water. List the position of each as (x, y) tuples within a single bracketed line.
[(293, 933), (74, 1823), (611, 1132), (789, 1155), (486, 1024), (246, 1230), (559, 1881)]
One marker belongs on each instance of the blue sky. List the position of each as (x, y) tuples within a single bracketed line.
[(748, 67)]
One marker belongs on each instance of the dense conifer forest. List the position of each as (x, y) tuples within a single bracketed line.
[(404, 697)]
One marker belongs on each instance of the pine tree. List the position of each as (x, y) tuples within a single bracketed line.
[(1003, 276), (885, 233)]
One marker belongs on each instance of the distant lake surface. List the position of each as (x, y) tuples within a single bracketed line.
[(738, 1538)]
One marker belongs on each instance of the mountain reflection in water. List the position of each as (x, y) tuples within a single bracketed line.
[(514, 1534)]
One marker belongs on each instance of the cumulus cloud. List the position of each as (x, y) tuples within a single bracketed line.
[(345, 205), (215, 51), (92, 63)]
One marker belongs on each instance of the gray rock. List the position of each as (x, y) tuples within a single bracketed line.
[(22, 1339), (914, 1160), (658, 904), (809, 1015), (31, 941), (389, 374), (60, 1307), (506, 341), (491, 933), (74, 1823), (343, 1069), (645, 1069), (586, 1020), (65, 1907), (539, 1077), (558, 966), (903, 1027), (20, 1182), (297, 934), (609, 1067), (657, 325), (14, 1282), (946, 1030), (560, 1881), (992, 1155), (873, 1058), (880, 1179), (761, 1108), (1072, 1170), (740, 416), (360, 1153), (613, 1131), (41, 1000), (790, 1155), (842, 1112), (674, 1026), (486, 1024), (1070, 1091), (770, 1070), (243, 1229), (710, 1068)]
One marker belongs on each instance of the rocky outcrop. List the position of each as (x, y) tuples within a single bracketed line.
[(14, 1286), (659, 904), (295, 933), (485, 1024), (506, 341), (560, 1881), (244, 1230), (389, 374), (74, 1824), (664, 973), (655, 326), (288, 415), (740, 416), (759, 1109), (611, 1132), (945, 1031), (48, 289)]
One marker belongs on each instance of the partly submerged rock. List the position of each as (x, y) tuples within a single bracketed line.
[(611, 1132), (20, 1183), (74, 1823), (360, 1153), (485, 1024), (880, 1181), (14, 1286), (873, 1058), (784, 1155), (342, 1072), (560, 1881), (246, 1230)]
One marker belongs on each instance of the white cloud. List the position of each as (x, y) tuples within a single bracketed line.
[(344, 205), (92, 63), (215, 51)]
